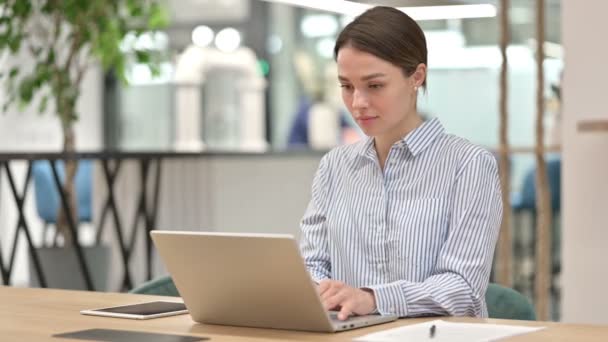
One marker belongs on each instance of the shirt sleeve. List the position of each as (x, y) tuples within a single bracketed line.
[(313, 241), (460, 278)]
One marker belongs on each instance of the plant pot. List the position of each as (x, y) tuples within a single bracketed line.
[(61, 268)]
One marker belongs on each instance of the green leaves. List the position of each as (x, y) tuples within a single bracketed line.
[(43, 104), (143, 56), (96, 27), (50, 58), (26, 90), (14, 43), (106, 43), (9, 38), (150, 58), (42, 74), (21, 9), (158, 18), (13, 73), (135, 8)]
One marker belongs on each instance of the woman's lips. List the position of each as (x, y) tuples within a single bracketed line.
[(366, 120)]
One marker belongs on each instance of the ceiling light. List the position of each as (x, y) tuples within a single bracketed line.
[(319, 25), (325, 48), (416, 12), (202, 36), (274, 44), (335, 6), (450, 12), (228, 40)]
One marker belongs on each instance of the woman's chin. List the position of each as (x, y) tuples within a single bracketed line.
[(369, 131)]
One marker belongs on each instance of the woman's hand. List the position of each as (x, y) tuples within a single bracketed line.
[(336, 295)]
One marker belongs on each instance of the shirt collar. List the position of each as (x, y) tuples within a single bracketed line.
[(366, 148), (416, 141), (423, 136)]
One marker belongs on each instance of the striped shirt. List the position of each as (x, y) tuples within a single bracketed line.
[(420, 234)]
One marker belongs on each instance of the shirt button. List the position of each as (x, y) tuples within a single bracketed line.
[(392, 309)]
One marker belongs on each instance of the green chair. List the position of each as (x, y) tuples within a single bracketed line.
[(507, 303), (502, 302), (162, 286)]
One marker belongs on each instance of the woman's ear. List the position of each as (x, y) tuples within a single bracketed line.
[(419, 75)]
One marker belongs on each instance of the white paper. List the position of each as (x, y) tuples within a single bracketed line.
[(448, 331)]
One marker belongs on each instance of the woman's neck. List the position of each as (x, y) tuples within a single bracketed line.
[(383, 143)]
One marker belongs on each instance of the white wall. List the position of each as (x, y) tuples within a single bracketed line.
[(585, 163), (30, 131)]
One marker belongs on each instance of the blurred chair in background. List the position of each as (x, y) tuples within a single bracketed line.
[(524, 234), (47, 196)]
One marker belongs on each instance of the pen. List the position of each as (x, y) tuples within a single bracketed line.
[(432, 331)]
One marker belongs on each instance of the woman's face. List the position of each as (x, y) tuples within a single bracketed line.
[(378, 95)]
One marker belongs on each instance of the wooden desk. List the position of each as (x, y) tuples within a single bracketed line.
[(28, 314)]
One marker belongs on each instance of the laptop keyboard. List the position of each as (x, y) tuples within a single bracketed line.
[(333, 315)]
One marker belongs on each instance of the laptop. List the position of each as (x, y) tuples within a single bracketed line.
[(250, 280)]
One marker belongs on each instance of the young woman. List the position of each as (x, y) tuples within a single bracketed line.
[(404, 222)]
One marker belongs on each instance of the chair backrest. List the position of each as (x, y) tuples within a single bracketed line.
[(506, 303), (47, 195), (528, 192), (162, 286)]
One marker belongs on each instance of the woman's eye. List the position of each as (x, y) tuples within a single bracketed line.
[(375, 86), (346, 86)]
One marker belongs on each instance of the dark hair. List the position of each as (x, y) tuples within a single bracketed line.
[(388, 34)]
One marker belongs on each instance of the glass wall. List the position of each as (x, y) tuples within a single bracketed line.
[(292, 49)]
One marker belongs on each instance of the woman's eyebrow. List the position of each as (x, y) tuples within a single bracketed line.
[(364, 78)]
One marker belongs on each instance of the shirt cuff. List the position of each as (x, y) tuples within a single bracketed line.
[(390, 299), (317, 277)]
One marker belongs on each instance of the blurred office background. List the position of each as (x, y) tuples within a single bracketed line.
[(258, 78)]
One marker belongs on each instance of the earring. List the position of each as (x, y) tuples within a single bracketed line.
[(415, 88)]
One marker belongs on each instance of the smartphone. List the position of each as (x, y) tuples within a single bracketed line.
[(146, 310)]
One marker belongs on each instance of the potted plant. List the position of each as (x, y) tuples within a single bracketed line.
[(64, 38)]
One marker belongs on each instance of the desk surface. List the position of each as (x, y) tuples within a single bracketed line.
[(36, 314)]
